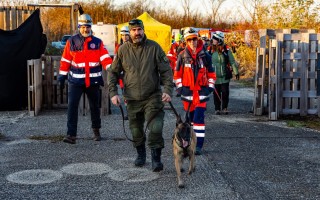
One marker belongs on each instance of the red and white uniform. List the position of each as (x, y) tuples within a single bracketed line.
[(83, 59), (195, 76)]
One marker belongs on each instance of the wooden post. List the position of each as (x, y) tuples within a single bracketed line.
[(19, 16), (34, 86), (13, 18), (304, 91), (7, 19), (272, 94), (312, 74), (48, 81), (2, 15), (259, 82), (37, 85), (278, 69), (31, 101)]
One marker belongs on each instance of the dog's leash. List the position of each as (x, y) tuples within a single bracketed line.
[(176, 113), (217, 94), (174, 110), (187, 114), (124, 129)]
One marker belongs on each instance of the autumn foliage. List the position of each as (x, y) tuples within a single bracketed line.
[(297, 14)]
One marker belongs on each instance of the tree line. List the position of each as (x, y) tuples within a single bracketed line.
[(260, 14)]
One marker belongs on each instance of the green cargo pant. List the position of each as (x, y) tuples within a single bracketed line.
[(140, 112)]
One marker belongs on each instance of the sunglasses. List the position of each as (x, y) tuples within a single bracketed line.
[(193, 39), (135, 22)]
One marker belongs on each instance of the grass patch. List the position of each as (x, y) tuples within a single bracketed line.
[(51, 138), (295, 123), (246, 82), (311, 121)]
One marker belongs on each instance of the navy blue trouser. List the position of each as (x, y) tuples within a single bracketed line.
[(74, 95)]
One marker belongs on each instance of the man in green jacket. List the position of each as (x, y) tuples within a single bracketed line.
[(144, 64)]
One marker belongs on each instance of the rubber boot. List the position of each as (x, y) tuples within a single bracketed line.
[(141, 158), (96, 134), (157, 166)]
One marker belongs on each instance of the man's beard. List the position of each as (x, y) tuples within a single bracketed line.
[(85, 34), (137, 38)]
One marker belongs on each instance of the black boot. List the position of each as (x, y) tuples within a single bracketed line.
[(157, 166), (96, 134), (141, 158)]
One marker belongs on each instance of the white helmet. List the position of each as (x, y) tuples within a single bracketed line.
[(219, 36), (84, 20), (124, 30), (189, 33)]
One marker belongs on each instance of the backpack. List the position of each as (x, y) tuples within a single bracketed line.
[(228, 68)]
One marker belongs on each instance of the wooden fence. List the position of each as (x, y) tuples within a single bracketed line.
[(34, 86), (287, 68), (44, 92), (12, 16)]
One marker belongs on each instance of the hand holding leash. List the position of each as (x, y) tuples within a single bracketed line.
[(116, 100), (166, 97)]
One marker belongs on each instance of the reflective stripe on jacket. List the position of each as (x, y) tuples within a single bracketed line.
[(83, 59), (196, 76)]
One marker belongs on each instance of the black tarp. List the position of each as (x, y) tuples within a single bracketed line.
[(16, 47)]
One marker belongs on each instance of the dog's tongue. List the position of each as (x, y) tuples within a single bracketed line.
[(184, 143)]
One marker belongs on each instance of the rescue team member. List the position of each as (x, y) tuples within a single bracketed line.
[(194, 77), (172, 53), (124, 31), (82, 61), (221, 95), (143, 63)]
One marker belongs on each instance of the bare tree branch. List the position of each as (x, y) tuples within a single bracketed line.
[(214, 6)]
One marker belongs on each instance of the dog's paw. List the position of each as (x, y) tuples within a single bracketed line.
[(191, 170), (181, 185)]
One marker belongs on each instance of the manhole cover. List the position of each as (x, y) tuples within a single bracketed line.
[(34, 177)]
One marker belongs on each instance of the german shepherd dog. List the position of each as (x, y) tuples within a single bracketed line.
[(184, 144)]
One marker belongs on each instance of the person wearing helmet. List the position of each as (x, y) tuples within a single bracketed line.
[(194, 77), (124, 32), (125, 35), (223, 60), (172, 53), (144, 64), (81, 63), (205, 40)]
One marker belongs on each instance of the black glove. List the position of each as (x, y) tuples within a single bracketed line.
[(61, 80), (237, 76)]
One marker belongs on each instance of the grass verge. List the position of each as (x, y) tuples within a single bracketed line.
[(311, 121)]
